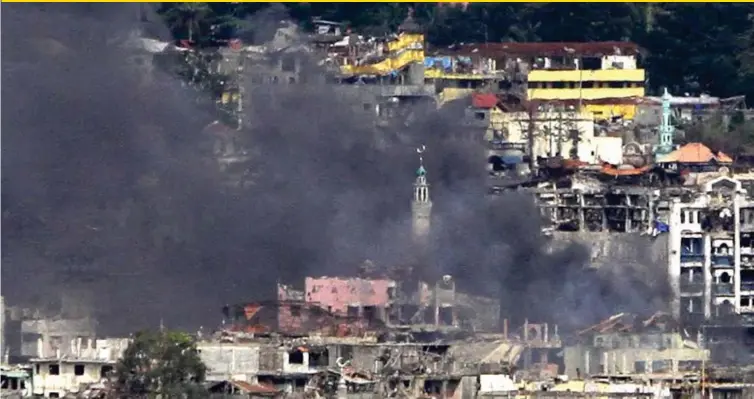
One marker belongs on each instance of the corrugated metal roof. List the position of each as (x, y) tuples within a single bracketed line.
[(260, 389), (594, 49)]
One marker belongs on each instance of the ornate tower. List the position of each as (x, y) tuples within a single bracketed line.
[(666, 128), (421, 207)]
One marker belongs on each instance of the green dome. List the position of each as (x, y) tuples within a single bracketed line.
[(421, 171)]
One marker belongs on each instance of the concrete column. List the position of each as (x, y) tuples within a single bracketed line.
[(628, 223), (737, 199), (707, 303)]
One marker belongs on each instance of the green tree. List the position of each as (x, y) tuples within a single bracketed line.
[(187, 18), (161, 363)]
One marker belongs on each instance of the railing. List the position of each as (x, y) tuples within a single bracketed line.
[(501, 145), (722, 260), (692, 287), (722, 289), (692, 257)]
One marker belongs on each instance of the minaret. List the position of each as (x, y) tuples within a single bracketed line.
[(666, 129), (421, 207)]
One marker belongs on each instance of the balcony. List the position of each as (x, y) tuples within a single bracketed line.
[(692, 257), (722, 289), (692, 287), (722, 260), (501, 145)]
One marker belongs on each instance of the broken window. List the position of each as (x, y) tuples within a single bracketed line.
[(370, 313), (445, 316), (640, 367), (352, 311), (296, 357), (346, 352), (105, 371), (296, 310), (54, 369), (288, 64), (319, 357), (78, 369), (54, 395), (479, 116)]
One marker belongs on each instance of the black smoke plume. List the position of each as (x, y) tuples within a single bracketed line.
[(107, 189)]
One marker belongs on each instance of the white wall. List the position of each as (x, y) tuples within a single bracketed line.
[(496, 383), (627, 61), (230, 361), (56, 334), (45, 383)]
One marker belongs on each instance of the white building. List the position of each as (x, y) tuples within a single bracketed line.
[(88, 362), (711, 262), (230, 361), (45, 337)]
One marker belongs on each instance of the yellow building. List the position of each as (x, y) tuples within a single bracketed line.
[(603, 78)]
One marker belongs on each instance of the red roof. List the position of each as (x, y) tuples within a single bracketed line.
[(484, 100), (695, 153)]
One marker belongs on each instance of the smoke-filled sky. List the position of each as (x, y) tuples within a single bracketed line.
[(104, 172)]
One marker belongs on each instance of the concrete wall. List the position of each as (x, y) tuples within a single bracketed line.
[(336, 294), (230, 361), (589, 360), (56, 335), (45, 382)]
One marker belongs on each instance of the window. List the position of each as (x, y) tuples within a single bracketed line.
[(683, 217), (105, 371), (295, 310), (296, 357), (54, 395), (288, 64), (54, 369), (37, 368), (78, 369), (479, 116)]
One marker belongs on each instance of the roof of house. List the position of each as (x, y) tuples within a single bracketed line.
[(484, 100), (695, 153), (587, 49)]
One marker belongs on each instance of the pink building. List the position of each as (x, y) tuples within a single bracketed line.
[(353, 297)]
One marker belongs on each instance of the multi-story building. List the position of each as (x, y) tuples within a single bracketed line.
[(603, 78), (709, 254), (85, 362)]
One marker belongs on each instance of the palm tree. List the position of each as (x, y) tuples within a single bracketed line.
[(186, 16)]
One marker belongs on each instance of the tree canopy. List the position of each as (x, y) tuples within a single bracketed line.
[(694, 48), (161, 363)]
